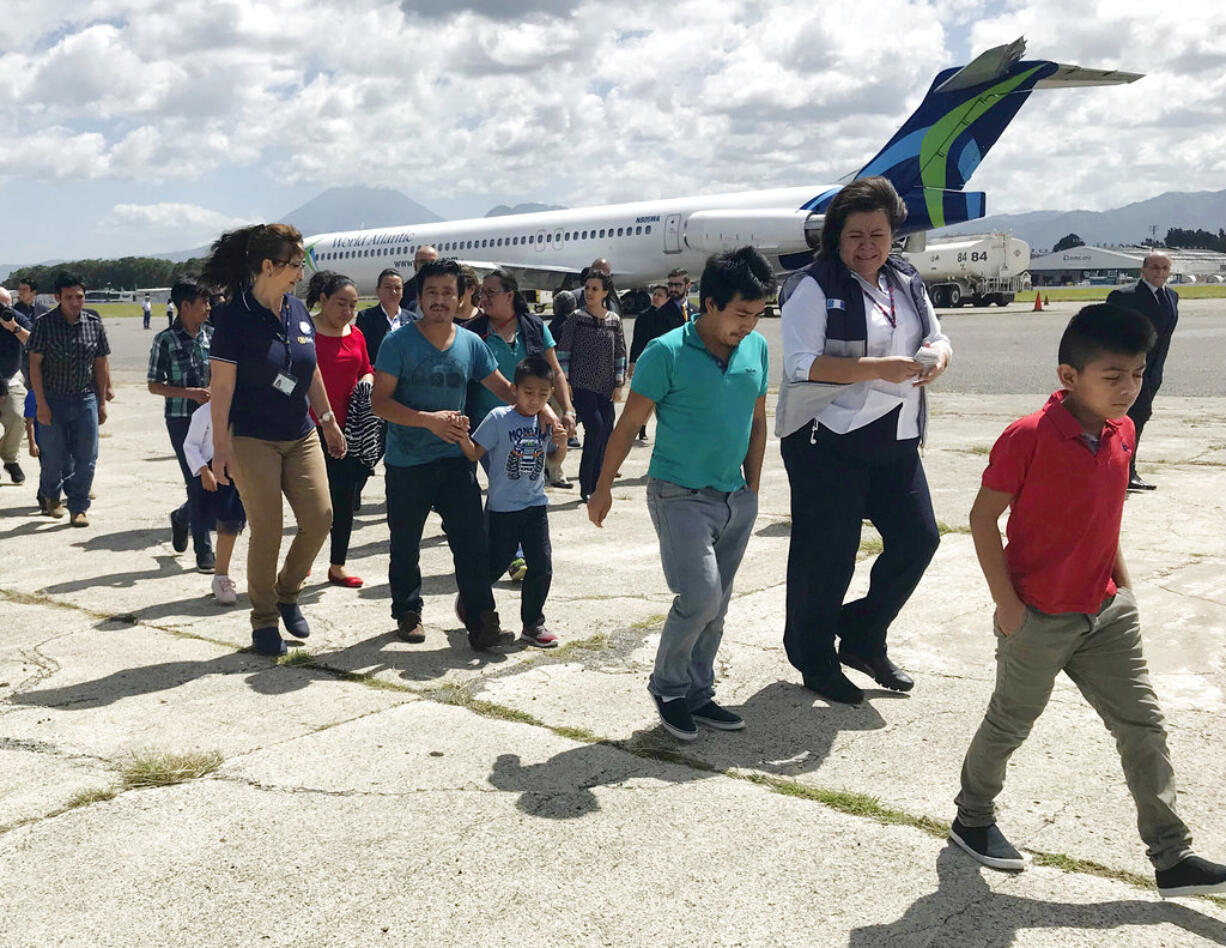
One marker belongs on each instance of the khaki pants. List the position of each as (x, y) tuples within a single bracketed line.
[(12, 417), (1102, 655), (264, 471)]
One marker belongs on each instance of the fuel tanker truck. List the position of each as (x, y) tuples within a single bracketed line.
[(979, 269)]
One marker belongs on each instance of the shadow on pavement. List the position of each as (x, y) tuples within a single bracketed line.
[(786, 734), (965, 911)]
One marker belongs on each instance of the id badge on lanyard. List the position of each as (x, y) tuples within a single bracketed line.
[(285, 382)]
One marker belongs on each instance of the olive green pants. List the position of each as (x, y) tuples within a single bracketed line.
[(1102, 655)]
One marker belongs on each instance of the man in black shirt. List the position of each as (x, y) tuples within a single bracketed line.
[(27, 300), (14, 331), (71, 378)]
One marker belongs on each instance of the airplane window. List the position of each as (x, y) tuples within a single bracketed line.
[(649, 228), (549, 238), (619, 232), (515, 241), (638, 230), (602, 232)]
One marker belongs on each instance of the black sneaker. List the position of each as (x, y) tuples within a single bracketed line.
[(676, 718), (16, 473), (1191, 876), (178, 534), (987, 844), (206, 561), (834, 686), (712, 715)]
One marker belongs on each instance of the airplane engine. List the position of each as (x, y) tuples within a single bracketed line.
[(772, 230)]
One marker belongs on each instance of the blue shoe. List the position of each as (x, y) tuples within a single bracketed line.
[(295, 621), (268, 641)]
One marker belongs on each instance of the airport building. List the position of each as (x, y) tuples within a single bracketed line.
[(1111, 265)]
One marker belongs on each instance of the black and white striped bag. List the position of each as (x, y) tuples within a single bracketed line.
[(365, 433)]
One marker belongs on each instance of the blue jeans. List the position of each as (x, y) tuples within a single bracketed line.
[(703, 535), (69, 450)]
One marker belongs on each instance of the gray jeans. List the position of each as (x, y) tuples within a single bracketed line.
[(12, 418), (1102, 655), (703, 534)]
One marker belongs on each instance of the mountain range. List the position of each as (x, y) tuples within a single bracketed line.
[(1130, 224)]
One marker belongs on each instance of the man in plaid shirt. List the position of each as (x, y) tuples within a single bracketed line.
[(71, 378), (179, 372)]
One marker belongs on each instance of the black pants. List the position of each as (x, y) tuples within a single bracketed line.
[(528, 528), (1141, 410), (837, 481), (449, 487), (595, 413), (345, 478), (194, 511)]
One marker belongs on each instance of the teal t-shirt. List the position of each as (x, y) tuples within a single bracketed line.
[(507, 357), (704, 411), (429, 379)]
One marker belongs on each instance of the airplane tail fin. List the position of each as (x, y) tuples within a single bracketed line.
[(933, 155)]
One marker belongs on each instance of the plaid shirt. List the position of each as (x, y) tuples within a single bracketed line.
[(68, 351), (179, 360)]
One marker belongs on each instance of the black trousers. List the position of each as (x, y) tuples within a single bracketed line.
[(345, 478), (1141, 411), (447, 486), (595, 413), (528, 528), (836, 482), (195, 510)]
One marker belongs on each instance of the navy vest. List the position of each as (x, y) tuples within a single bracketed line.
[(846, 320), (531, 328)]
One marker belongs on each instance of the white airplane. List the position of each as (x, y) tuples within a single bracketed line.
[(929, 160)]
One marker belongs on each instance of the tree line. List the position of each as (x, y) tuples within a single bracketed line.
[(1196, 239), (126, 273)]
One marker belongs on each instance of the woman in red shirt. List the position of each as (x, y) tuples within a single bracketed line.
[(340, 349)]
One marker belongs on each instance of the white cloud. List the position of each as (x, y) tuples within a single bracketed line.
[(574, 101), (185, 225)]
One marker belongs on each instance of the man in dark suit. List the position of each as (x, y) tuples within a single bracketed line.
[(1160, 305), (425, 254), (378, 321)]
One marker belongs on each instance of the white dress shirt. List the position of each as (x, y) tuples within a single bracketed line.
[(198, 443), (862, 403)]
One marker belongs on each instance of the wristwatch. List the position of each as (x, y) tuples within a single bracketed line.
[(326, 416)]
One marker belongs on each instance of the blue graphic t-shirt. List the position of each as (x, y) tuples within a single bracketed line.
[(516, 446), (429, 379)]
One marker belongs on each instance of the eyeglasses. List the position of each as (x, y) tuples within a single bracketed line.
[(293, 264), (679, 286), (485, 291)]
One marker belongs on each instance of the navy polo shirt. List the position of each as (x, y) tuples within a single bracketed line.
[(261, 344), (704, 409)]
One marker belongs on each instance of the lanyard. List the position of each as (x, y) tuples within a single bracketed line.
[(891, 315)]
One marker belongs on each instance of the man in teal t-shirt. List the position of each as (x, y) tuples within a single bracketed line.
[(707, 383), (421, 381)]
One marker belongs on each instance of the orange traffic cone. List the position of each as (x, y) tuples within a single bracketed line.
[(1038, 302)]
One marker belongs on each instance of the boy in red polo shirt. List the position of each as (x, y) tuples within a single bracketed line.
[(1064, 601)]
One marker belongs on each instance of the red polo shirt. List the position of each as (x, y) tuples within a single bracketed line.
[(1064, 520)]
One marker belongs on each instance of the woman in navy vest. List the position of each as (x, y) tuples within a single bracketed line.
[(861, 342)]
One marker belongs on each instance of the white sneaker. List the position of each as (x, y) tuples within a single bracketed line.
[(224, 591)]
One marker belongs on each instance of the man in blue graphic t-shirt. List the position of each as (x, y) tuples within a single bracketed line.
[(421, 378)]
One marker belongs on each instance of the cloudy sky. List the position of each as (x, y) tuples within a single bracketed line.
[(134, 126)]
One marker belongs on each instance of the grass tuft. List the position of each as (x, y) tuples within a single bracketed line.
[(88, 797), (944, 528), (581, 734), (296, 656), (593, 643), (162, 770), (649, 623), (870, 546)]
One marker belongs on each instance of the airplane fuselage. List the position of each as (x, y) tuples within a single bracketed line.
[(642, 240)]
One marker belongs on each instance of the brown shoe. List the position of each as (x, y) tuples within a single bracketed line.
[(408, 627), (489, 632), (54, 509), (79, 519)]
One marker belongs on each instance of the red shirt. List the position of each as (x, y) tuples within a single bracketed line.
[(1064, 519), (342, 361)]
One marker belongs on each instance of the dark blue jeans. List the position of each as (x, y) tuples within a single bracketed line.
[(596, 414), (195, 510), (449, 487), (69, 450), (527, 529)]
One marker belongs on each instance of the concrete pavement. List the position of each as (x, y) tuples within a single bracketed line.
[(372, 790)]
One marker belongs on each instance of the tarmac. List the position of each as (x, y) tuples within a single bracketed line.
[(369, 791)]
